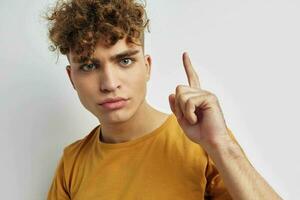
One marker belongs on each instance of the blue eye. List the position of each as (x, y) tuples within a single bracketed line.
[(87, 67), (126, 61)]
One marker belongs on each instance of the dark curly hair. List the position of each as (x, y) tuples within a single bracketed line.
[(78, 25)]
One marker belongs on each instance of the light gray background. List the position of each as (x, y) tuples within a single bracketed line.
[(246, 52)]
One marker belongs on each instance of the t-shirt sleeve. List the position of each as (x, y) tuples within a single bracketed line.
[(215, 188), (58, 189)]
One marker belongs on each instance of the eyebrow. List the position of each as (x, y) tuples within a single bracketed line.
[(118, 56)]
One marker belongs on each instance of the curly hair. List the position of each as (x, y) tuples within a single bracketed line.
[(78, 25)]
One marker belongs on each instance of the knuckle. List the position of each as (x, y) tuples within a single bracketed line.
[(210, 95), (213, 97), (183, 96), (206, 92), (180, 97), (180, 88)]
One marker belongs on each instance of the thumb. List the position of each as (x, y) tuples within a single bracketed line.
[(172, 102)]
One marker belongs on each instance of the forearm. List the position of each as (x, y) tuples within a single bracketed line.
[(242, 181)]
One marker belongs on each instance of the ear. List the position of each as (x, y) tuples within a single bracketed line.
[(148, 63), (68, 68)]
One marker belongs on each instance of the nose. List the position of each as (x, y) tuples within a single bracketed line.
[(109, 80)]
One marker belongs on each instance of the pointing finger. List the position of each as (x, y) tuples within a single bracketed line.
[(192, 76)]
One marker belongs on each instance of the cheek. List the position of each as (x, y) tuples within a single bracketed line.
[(85, 87), (138, 82), (140, 90)]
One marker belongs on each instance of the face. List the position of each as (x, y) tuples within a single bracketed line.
[(121, 70)]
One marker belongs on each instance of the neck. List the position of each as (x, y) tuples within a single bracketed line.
[(143, 121)]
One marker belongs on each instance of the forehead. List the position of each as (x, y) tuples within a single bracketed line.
[(103, 51)]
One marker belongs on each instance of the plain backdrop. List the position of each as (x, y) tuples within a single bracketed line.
[(246, 52)]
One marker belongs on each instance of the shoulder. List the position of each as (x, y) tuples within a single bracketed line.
[(72, 150)]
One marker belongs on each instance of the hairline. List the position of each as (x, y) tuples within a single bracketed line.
[(141, 44)]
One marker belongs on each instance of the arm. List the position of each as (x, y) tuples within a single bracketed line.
[(199, 114), (241, 179)]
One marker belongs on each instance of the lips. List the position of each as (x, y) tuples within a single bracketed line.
[(113, 103), (112, 100)]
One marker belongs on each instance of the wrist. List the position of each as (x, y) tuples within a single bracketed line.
[(224, 148)]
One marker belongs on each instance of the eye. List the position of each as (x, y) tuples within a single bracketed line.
[(126, 61), (87, 67)]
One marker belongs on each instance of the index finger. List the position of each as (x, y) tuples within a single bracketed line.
[(190, 72)]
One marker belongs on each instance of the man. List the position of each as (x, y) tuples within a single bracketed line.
[(138, 152)]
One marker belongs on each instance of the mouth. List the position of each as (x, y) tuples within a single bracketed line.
[(113, 105)]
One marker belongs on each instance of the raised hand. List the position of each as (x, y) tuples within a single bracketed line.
[(198, 111)]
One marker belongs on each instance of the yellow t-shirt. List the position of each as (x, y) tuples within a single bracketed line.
[(164, 164)]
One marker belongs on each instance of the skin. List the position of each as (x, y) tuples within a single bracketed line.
[(125, 77), (199, 114)]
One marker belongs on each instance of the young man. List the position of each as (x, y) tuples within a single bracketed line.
[(138, 152)]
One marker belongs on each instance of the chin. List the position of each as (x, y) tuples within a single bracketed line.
[(114, 117)]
